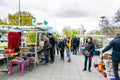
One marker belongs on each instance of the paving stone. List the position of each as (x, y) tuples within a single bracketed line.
[(59, 70)]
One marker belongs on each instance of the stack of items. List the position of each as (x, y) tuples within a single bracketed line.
[(104, 66), (108, 65), (18, 59), (100, 66), (9, 53), (107, 56), (109, 69)]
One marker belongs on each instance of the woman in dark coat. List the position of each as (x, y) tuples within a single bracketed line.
[(89, 48), (46, 47)]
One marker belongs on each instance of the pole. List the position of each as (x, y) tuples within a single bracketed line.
[(102, 17), (35, 55), (8, 23), (55, 26), (19, 13)]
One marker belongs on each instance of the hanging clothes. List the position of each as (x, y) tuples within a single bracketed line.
[(14, 40)]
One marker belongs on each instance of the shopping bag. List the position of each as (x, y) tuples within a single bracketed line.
[(87, 53)]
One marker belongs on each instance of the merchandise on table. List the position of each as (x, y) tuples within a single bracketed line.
[(109, 66), (101, 66)]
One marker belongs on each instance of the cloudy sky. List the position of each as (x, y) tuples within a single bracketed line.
[(64, 12)]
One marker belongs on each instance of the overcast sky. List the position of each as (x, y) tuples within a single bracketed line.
[(64, 12)]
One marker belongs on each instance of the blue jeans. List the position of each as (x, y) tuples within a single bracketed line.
[(68, 53), (46, 58)]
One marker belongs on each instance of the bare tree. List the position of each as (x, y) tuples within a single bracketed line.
[(117, 16)]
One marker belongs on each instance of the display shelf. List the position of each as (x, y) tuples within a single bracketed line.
[(107, 58), (109, 69)]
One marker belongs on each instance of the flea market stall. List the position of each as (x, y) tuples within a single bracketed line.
[(105, 65), (19, 52), (11, 52)]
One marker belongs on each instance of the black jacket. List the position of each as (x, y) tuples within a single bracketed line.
[(61, 45), (52, 41), (90, 47), (115, 44), (77, 42), (74, 42)]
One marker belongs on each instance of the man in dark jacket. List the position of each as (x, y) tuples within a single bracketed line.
[(77, 44), (74, 45), (115, 45), (52, 50), (61, 46)]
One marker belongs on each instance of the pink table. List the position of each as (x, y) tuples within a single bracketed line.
[(21, 63)]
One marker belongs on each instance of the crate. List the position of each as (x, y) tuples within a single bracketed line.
[(24, 49)]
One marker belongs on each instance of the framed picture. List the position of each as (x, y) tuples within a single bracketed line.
[(32, 37)]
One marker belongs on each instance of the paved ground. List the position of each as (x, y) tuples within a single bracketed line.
[(60, 70)]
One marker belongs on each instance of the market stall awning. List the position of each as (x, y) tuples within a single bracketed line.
[(52, 31), (45, 27)]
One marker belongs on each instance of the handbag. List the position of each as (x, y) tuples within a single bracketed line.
[(49, 47), (87, 53)]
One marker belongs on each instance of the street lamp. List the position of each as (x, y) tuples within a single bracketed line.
[(102, 20)]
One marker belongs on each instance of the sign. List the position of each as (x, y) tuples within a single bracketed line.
[(34, 22), (45, 22), (32, 37)]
